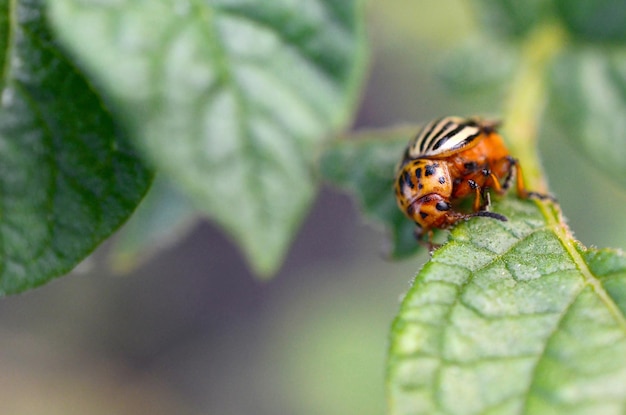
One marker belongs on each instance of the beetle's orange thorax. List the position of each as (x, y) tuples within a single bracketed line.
[(486, 151), (489, 153)]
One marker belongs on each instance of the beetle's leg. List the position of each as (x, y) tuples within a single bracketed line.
[(540, 196), (519, 179), (430, 244), (419, 234), (521, 188), (481, 193), (477, 191), (514, 170), (486, 199), (493, 181)]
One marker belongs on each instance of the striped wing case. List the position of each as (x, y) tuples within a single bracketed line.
[(443, 137)]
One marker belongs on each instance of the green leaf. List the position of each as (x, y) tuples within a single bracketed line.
[(365, 166), (229, 99), (588, 103), (511, 18), (512, 318), (594, 20), (479, 66), (68, 177), (162, 219)]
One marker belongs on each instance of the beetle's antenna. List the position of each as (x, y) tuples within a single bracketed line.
[(487, 214)]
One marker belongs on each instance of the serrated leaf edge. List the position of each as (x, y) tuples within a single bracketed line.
[(555, 222)]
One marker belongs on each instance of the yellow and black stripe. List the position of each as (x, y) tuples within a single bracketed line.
[(443, 136)]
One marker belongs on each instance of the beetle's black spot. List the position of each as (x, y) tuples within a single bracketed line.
[(443, 206), (486, 172), (418, 173), (420, 186), (423, 215), (407, 179), (430, 170), (442, 180), (472, 184), (410, 209)]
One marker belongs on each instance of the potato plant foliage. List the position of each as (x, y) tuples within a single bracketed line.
[(237, 105)]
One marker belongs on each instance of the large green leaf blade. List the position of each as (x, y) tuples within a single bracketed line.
[(68, 177), (594, 20), (512, 318), (512, 18), (365, 166), (480, 68), (228, 98), (588, 102)]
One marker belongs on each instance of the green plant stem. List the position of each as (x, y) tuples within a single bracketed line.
[(526, 101)]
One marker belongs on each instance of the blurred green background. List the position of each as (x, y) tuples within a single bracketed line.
[(192, 331)]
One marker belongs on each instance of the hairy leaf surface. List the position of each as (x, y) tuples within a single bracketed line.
[(68, 177), (512, 318)]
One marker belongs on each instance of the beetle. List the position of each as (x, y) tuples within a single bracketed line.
[(450, 159)]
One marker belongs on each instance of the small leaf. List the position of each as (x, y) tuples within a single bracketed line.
[(68, 177), (588, 103), (594, 20), (512, 318), (229, 99), (365, 165), (511, 18), (162, 219), (478, 67)]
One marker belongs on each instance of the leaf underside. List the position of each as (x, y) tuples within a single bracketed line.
[(68, 177), (587, 103), (228, 99), (512, 318), (162, 219), (364, 164)]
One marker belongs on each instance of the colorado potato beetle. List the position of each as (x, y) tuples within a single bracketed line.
[(450, 159)]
